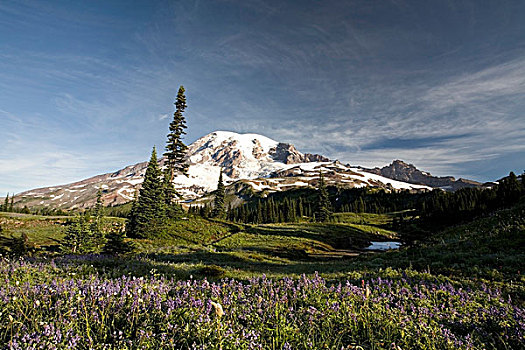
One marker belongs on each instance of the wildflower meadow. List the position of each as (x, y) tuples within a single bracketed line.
[(46, 305)]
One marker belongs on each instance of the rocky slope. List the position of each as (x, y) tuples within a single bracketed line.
[(402, 171), (307, 175), (260, 162)]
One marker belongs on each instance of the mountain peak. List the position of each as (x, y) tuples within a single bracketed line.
[(402, 171), (238, 153)]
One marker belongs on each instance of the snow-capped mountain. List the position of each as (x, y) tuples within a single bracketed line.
[(241, 156), (260, 162)]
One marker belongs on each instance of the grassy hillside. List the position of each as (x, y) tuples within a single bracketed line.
[(488, 248)]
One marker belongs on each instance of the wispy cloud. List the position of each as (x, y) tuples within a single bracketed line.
[(365, 82), (502, 80), (469, 118)]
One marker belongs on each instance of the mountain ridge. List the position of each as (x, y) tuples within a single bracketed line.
[(263, 163), (402, 171)]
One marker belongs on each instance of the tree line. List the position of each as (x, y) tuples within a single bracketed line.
[(276, 208), (9, 207), (432, 206), (466, 203)]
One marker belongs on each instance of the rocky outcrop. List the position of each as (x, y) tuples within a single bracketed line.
[(309, 157), (405, 172), (287, 153)]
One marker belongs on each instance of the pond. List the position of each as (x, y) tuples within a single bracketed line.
[(383, 245)]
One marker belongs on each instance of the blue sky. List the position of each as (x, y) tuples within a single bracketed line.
[(87, 87)]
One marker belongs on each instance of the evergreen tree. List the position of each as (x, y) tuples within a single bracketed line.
[(229, 213), (259, 218), (173, 209), (116, 244), (96, 223), (78, 238), (11, 205), (6, 203), (20, 246), (324, 211), (148, 215), (132, 215), (175, 148), (300, 208), (218, 202)]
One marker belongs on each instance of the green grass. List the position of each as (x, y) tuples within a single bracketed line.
[(44, 232), (379, 220), (487, 249), (242, 251), (41, 230)]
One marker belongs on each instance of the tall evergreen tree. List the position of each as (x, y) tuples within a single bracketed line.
[(6, 203), (149, 213), (218, 202), (324, 211), (12, 204), (259, 218), (175, 153), (175, 148)]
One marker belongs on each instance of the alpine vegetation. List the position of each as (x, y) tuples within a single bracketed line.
[(403, 311)]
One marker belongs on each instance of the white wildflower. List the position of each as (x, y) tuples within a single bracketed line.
[(218, 309)]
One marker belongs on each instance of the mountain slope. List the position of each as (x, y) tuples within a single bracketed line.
[(402, 171), (256, 160)]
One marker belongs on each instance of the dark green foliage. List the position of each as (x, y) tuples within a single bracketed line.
[(175, 148), (428, 210), (266, 211), (175, 156), (148, 214), (205, 211), (119, 210), (5, 207), (79, 238), (218, 203), (211, 271), (97, 233), (9, 203), (448, 208), (98, 210), (17, 246), (173, 209), (324, 211), (20, 246), (116, 244)]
